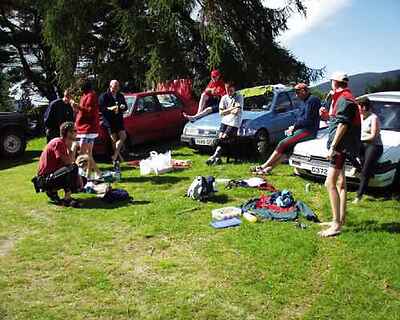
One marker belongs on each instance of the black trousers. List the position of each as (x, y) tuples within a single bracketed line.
[(370, 153), (64, 178)]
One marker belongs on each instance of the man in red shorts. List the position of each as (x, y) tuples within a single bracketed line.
[(344, 141)]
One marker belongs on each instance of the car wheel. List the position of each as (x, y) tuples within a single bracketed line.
[(12, 144), (396, 179), (262, 144)]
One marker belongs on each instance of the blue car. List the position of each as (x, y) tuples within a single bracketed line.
[(268, 111)]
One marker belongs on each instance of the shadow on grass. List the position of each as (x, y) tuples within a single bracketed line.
[(28, 157), (219, 198), (155, 179), (375, 226), (97, 203)]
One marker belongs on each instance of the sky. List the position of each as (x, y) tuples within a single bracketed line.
[(353, 36)]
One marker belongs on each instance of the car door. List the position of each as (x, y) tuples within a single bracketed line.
[(145, 122), (172, 108), (284, 115)]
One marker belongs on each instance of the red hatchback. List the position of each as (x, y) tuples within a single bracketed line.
[(151, 116)]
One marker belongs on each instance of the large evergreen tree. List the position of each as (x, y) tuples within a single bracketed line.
[(145, 42)]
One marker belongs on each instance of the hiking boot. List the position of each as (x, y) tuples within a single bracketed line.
[(54, 198)]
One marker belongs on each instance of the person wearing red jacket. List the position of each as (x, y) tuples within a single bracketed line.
[(343, 142), (209, 100), (87, 124)]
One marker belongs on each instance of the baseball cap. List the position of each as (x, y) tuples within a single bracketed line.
[(215, 73), (301, 85), (340, 76)]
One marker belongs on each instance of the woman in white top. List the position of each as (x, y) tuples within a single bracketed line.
[(371, 145)]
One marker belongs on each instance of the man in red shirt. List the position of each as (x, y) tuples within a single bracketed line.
[(209, 100), (57, 169)]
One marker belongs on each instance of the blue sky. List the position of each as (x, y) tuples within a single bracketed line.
[(347, 35)]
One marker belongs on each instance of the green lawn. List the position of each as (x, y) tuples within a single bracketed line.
[(160, 259)]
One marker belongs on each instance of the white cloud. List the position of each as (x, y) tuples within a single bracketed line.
[(318, 12)]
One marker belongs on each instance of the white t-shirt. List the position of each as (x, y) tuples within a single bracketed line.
[(226, 102), (366, 128)]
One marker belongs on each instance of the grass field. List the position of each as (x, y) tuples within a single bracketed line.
[(159, 259)]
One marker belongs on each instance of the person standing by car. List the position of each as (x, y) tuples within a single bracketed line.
[(87, 125), (58, 112), (371, 145), (57, 169), (305, 128), (210, 98), (343, 141), (231, 110), (112, 106)]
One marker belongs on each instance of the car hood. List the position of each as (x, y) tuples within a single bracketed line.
[(317, 147), (213, 121)]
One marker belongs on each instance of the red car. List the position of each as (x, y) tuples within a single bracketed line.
[(153, 115)]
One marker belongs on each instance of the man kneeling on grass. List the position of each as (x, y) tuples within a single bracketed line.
[(57, 169), (230, 110)]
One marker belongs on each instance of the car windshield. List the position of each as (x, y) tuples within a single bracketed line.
[(389, 114), (258, 103)]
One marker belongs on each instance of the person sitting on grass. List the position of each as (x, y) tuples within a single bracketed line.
[(305, 128), (210, 98), (230, 109), (57, 169), (343, 142)]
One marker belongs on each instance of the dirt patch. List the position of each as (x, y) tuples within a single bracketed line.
[(6, 245)]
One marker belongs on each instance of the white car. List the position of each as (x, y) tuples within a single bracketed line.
[(309, 158)]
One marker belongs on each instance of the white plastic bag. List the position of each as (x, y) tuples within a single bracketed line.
[(157, 162)]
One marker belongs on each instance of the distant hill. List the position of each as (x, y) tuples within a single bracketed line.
[(359, 82)]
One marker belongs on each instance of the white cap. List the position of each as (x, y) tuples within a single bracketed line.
[(340, 76)]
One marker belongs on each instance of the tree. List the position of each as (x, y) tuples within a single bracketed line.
[(144, 42), (23, 53), (387, 84)]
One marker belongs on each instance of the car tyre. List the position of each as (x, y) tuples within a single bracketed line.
[(12, 143), (396, 179), (262, 144)]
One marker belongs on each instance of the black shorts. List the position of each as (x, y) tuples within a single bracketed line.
[(229, 131), (338, 160), (115, 127), (213, 103)]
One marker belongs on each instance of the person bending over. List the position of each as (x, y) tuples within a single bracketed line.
[(58, 112), (57, 169), (230, 109), (210, 98), (87, 125), (371, 145), (112, 106), (305, 128), (343, 142)]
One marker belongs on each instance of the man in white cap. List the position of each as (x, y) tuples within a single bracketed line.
[(344, 141)]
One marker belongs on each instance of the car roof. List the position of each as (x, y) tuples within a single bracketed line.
[(387, 96)]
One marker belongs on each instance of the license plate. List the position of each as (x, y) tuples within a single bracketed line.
[(319, 171), (204, 141)]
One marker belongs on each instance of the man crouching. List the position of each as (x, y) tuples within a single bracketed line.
[(230, 110), (57, 169)]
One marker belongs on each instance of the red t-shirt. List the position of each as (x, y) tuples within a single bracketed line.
[(219, 87), (87, 118), (50, 159)]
